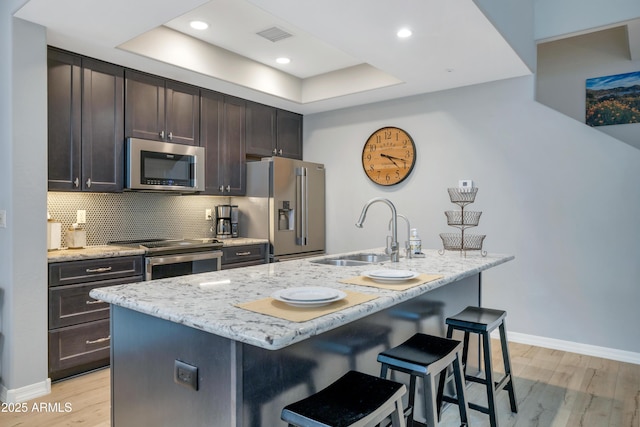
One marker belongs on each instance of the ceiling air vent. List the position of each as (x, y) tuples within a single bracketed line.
[(274, 34)]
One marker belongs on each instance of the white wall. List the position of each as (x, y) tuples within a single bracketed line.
[(564, 65), (514, 19), (553, 192), (555, 18), (23, 278), (6, 147)]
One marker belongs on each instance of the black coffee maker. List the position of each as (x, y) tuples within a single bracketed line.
[(223, 221)]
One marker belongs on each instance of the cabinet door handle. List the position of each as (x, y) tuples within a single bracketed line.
[(95, 301), (76, 182), (280, 152), (98, 270), (274, 151), (243, 253), (99, 340), (221, 188), (228, 188), (170, 136), (89, 183), (161, 134)]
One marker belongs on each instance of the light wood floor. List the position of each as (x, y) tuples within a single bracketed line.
[(557, 389), (553, 388), (88, 395)]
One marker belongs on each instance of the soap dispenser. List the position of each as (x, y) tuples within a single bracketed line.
[(415, 243)]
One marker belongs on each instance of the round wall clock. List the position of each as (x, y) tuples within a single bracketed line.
[(388, 156)]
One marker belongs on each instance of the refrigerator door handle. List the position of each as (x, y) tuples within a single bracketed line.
[(302, 205)]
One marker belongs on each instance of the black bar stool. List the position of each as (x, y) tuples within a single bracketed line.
[(482, 321), (355, 400), (426, 356)]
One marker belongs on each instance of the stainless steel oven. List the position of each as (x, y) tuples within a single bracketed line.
[(160, 267), (172, 258)]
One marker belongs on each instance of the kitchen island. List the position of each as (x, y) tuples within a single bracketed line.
[(249, 365)]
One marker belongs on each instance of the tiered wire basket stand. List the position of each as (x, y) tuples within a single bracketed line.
[(462, 220)]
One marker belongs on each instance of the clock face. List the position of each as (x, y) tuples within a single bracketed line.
[(388, 156)]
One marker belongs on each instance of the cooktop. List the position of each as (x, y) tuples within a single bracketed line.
[(171, 246)]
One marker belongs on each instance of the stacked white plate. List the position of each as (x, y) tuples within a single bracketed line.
[(390, 276), (308, 296)]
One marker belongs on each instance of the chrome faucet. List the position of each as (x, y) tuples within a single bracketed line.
[(392, 247), (407, 244)]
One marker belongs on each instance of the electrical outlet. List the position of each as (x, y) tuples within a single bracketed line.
[(207, 214), (185, 374), (81, 216)]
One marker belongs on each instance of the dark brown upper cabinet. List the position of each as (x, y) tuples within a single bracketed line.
[(223, 136), (289, 130), (161, 110), (85, 124), (261, 130), (273, 132)]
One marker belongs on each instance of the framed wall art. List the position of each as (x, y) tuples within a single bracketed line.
[(613, 100)]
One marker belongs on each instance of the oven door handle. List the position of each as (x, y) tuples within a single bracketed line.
[(176, 259)]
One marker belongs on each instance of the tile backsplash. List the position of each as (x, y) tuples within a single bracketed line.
[(132, 215)]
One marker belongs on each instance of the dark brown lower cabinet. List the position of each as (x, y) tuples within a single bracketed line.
[(79, 348), (79, 333), (244, 256)]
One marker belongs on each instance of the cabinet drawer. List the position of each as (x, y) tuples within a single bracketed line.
[(68, 273), (242, 264), (71, 304), (236, 254), (76, 349)]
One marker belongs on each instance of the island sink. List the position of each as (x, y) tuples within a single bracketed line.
[(353, 260)]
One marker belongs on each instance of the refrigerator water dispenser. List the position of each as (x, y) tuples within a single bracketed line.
[(285, 217)]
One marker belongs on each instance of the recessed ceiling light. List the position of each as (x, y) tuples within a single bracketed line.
[(403, 33), (199, 25), (283, 60)]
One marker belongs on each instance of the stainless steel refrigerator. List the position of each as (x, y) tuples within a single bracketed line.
[(285, 203)]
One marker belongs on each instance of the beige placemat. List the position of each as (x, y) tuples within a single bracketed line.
[(275, 308), (420, 280)]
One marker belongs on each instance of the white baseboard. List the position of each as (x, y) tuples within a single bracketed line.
[(25, 393), (572, 347)]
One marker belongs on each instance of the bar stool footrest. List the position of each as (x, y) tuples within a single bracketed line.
[(478, 408), (472, 405), (498, 385)]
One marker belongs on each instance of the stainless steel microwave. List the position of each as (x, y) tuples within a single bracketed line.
[(163, 166)]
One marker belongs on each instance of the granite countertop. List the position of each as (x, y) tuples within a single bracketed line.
[(212, 308), (240, 241), (110, 251), (91, 252)]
